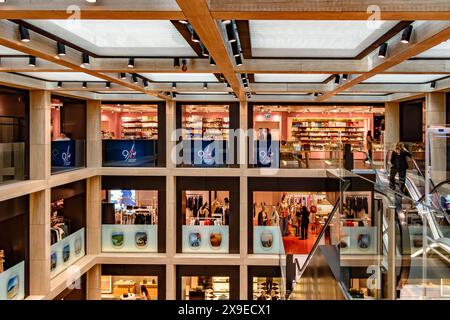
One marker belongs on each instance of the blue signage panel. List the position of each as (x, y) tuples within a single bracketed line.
[(129, 153), (63, 154), (206, 153), (267, 153)]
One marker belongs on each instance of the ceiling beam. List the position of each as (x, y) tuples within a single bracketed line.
[(44, 48), (210, 32), (80, 9), (330, 9), (425, 36)]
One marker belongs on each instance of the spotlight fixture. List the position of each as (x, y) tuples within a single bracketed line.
[(131, 63), (194, 36), (183, 21), (91, 1), (235, 49), (345, 77), (211, 61), (24, 34), (205, 52), (168, 93), (85, 60), (383, 50), (406, 35), (227, 21), (174, 95), (228, 85), (61, 49), (108, 85), (184, 66), (134, 79), (146, 85), (32, 61), (243, 76), (59, 85), (433, 85), (245, 84), (123, 75), (231, 35), (316, 94), (337, 79), (238, 60), (174, 85), (84, 85), (205, 85), (176, 62)]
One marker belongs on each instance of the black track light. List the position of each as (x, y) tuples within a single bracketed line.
[(238, 60), (108, 85), (32, 61), (245, 84), (194, 36), (59, 85), (24, 34), (383, 50), (231, 35), (226, 21), (406, 35), (85, 60), (174, 95), (205, 85), (243, 76), (168, 93), (174, 85), (131, 63), (337, 79), (146, 85), (183, 21), (345, 77), (176, 62), (222, 78), (205, 52), (84, 85), (134, 79), (235, 49), (61, 49), (316, 94), (433, 85), (228, 85), (123, 75), (211, 61)]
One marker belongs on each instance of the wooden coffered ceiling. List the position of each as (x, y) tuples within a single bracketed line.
[(204, 16)]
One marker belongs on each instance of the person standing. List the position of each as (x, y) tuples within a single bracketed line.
[(304, 223), (399, 165), (369, 143)]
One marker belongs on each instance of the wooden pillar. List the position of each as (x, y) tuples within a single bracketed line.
[(94, 215), (93, 132), (392, 126), (93, 279), (436, 116), (40, 141), (40, 243)]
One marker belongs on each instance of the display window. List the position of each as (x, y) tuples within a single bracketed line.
[(13, 135), (207, 282), (133, 135), (67, 226), (208, 215), (265, 283), (14, 251), (132, 218), (206, 134), (133, 282), (68, 134), (314, 136)]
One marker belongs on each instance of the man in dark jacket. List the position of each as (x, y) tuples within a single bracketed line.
[(399, 165), (304, 223)]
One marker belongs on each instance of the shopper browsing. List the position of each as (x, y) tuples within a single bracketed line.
[(399, 165), (304, 223), (369, 142)]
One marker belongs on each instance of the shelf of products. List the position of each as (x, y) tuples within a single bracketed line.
[(198, 127), (326, 134), (143, 127)]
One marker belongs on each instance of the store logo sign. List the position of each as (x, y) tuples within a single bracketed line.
[(129, 155), (266, 157), (66, 156), (206, 155)]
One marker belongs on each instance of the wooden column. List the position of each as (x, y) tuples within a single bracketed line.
[(93, 132), (94, 215), (436, 116), (40, 243), (93, 279), (40, 142), (392, 126)]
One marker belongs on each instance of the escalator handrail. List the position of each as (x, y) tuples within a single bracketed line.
[(422, 198), (321, 234)]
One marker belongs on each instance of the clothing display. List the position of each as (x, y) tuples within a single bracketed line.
[(60, 229), (194, 203), (355, 205), (199, 212), (137, 215)]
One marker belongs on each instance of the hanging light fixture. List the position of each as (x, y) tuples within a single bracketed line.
[(32, 61), (108, 85), (205, 85), (131, 63), (235, 49), (61, 49), (184, 66), (59, 85), (85, 60), (433, 85), (337, 79), (226, 21), (146, 85), (183, 21), (24, 34), (406, 35), (345, 77), (134, 78), (205, 52), (84, 85), (231, 35), (383, 50), (174, 85), (176, 62), (195, 37), (238, 60), (123, 75)]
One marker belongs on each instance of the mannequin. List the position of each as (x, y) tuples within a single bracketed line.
[(275, 217), (284, 220)]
